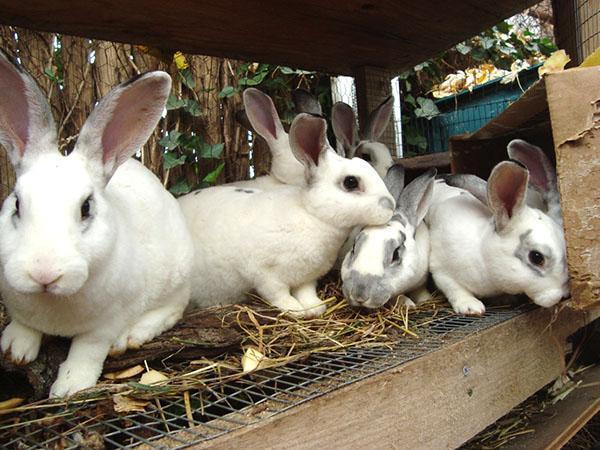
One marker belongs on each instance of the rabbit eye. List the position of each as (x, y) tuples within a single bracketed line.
[(17, 212), (85, 208), (366, 157), (351, 183), (536, 258), (396, 255)]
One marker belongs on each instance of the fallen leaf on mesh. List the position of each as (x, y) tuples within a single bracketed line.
[(555, 63), (253, 360), (11, 403), (126, 373), (123, 403), (153, 377)]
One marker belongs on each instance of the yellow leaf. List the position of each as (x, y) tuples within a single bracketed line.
[(555, 63), (180, 61), (126, 373), (11, 403), (593, 59), (253, 360), (123, 403), (153, 377)]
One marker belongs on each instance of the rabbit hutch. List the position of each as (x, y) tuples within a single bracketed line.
[(436, 379)]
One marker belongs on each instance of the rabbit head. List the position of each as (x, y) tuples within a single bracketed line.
[(262, 116), (56, 224), (386, 260), (368, 148), (340, 191), (305, 102), (542, 177)]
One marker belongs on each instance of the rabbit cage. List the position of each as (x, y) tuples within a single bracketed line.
[(429, 377)]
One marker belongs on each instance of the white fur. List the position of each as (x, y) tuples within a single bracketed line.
[(117, 278), (279, 242), (474, 255)]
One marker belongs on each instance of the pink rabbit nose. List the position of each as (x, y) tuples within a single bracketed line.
[(45, 277)]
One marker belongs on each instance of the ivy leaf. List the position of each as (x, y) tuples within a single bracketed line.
[(174, 103), (192, 107), (210, 151), (503, 27), (171, 160), (170, 140), (289, 71), (478, 54), (488, 42), (187, 78), (180, 187), (227, 92), (211, 177), (463, 49), (410, 100), (426, 108)]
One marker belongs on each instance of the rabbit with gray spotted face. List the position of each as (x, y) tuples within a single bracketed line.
[(91, 245), (392, 259), (280, 242), (482, 246)]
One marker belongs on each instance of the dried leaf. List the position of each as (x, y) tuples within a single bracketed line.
[(153, 377), (593, 59), (253, 360), (123, 403), (555, 63), (11, 403), (126, 373), (180, 61)]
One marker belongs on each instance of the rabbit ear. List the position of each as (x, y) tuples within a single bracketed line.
[(26, 124), (394, 180), (308, 139), (344, 127), (379, 119), (123, 121), (262, 114), (541, 172), (305, 102), (470, 183), (507, 189), (416, 197)]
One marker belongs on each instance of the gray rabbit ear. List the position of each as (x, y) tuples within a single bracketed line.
[(308, 139), (343, 122), (541, 172), (394, 181), (416, 197), (26, 124), (379, 120), (262, 115), (305, 102), (470, 183), (506, 191)]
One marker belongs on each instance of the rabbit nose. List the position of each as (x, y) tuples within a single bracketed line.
[(45, 277)]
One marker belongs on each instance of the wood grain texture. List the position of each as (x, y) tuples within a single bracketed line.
[(333, 36), (439, 400)]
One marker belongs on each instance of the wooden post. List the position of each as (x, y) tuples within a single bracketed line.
[(373, 85)]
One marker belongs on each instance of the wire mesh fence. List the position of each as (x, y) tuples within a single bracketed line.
[(177, 422)]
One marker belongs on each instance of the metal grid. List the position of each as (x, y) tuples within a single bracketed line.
[(243, 402)]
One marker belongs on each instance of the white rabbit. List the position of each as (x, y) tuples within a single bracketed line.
[(496, 244), (279, 242), (368, 148), (392, 259), (261, 116), (91, 245)]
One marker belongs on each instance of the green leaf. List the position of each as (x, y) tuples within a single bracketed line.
[(180, 187), (462, 48), (187, 78), (427, 108), (173, 102), (478, 54), (170, 140), (211, 178), (192, 107), (417, 140), (171, 160), (410, 100), (210, 151), (227, 92), (289, 71), (503, 27), (488, 42)]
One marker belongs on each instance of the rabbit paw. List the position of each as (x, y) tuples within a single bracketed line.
[(407, 302), (469, 306), (21, 342), (71, 380)]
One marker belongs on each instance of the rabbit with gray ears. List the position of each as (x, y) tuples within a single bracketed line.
[(492, 244), (367, 147), (92, 246), (280, 242), (392, 259)]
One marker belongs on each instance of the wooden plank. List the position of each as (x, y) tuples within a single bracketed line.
[(562, 421), (439, 400), (424, 162), (333, 36)]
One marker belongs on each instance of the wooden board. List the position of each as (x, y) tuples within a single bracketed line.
[(439, 400), (334, 36)]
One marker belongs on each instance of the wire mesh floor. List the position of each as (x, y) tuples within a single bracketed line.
[(214, 412)]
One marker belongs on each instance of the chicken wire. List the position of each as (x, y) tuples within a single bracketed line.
[(233, 405)]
